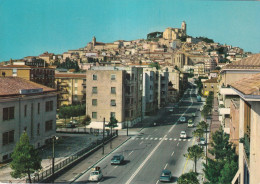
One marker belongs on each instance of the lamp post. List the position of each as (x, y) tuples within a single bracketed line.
[(103, 150), (127, 128), (53, 153)]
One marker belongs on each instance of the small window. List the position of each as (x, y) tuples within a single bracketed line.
[(8, 113), (113, 77), (113, 103), (205, 86), (94, 77), (113, 90), (94, 102), (25, 110), (94, 90), (212, 86), (39, 108), (94, 115), (48, 126), (38, 129), (112, 114)]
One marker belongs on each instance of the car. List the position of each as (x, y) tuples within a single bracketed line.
[(70, 125), (117, 160), (193, 114), (190, 123), (183, 135), (182, 119), (170, 110), (95, 174), (166, 175), (202, 141), (74, 121)]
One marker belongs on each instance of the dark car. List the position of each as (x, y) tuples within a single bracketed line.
[(70, 125), (117, 159), (166, 175)]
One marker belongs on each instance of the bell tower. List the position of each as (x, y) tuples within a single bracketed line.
[(184, 27), (94, 40)]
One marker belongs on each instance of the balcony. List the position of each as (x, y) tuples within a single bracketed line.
[(246, 142), (64, 92), (63, 84), (227, 91), (224, 111)]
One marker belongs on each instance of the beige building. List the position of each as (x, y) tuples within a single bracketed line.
[(175, 33), (25, 106), (71, 88), (199, 70), (210, 85), (114, 91), (234, 122), (249, 128)]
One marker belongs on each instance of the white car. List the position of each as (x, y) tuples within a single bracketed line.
[(202, 141), (95, 174), (171, 110), (183, 135)]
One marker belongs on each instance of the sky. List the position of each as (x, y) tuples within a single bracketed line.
[(31, 27)]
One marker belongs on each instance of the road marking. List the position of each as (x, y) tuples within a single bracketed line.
[(116, 166), (175, 139), (172, 153), (166, 139), (151, 138), (184, 139), (155, 138), (178, 143), (170, 139), (166, 166), (160, 138), (179, 139), (142, 138), (189, 140), (157, 182), (146, 138), (141, 142), (130, 153)]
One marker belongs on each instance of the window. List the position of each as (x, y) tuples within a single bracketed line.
[(8, 137), (25, 110), (38, 129), (94, 102), (112, 114), (8, 113), (94, 115), (113, 103), (113, 90), (94, 90), (39, 108), (14, 72), (49, 106), (212, 86), (205, 86), (113, 77), (48, 126), (94, 77)]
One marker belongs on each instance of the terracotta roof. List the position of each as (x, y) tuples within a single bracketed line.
[(13, 85), (213, 80), (252, 62), (248, 86), (69, 75)]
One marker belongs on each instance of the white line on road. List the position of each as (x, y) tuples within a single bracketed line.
[(116, 166), (178, 143), (157, 182), (175, 139), (142, 138), (131, 152), (155, 138), (172, 153), (170, 139), (166, 166), (166, 139), (146, 138), (141, 142), (151, 138), (179, 139), (160, 138), (184, 139)]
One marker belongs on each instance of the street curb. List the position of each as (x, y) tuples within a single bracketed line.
[(99, 161)]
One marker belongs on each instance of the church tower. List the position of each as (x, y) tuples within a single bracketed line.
[(94, 41), (184, 27)]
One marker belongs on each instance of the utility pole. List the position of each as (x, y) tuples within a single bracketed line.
[(53, 154), (127, 128), (103, 137)]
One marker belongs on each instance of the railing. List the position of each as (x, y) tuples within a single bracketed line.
[(247, 147), (47, 174)]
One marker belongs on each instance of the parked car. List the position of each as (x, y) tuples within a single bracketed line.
[(117, 159), (183, 135), (182, 119), (202, 141), (170, 110), (166, 175), (95, 174), (193, 114), (70, 125), (74, 121)]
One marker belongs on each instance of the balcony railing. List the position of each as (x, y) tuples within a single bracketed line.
[(247, 147), (223, 111), (227, 91)]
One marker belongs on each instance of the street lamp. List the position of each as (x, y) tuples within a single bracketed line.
[(103, 150), (53, 153)]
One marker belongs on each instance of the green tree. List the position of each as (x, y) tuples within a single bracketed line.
[(188, 178), (228, 172), (26, 159), (203, 125), (86, 120), (195, 153), (212, 170), (155, 64), (112, 124), (198, 132)]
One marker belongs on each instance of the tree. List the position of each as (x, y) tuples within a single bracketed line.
[(198, 132), (155, 64), (26, 159), (212, 170), (87, 120), (195, 153), (203, 125), (112, 124), (228, 172), (188, 178)]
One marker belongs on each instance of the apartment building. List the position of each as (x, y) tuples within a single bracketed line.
[(25, 106), (71, 88), (199, 69), (114, 91), (210, 85), (249, 127), (229, 74), (163, 87), (40, 75)]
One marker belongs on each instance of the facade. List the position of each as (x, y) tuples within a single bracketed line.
[(234, 122), (114, 91), (199, 70), (25, 106), (175, 33), (40, 75), (249, 128), (210, 85), (163, 87), (71, 88)]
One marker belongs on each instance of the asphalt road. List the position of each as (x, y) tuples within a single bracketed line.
[(153, 149)]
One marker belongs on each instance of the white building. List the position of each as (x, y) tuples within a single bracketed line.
[(25, 106)]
